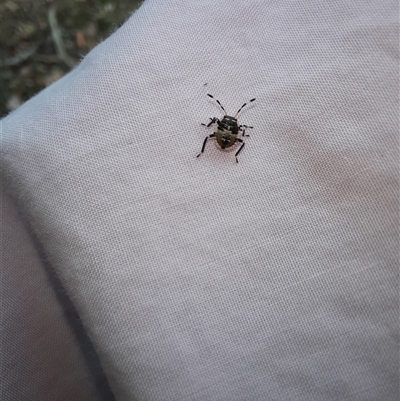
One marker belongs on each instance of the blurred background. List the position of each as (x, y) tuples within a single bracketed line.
[(41, 40)]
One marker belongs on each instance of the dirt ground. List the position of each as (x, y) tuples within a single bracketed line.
[(41, 40)]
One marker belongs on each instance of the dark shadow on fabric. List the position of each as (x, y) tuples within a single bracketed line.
[(71, 314)]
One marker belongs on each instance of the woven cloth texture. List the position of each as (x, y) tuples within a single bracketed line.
[(41, 355), (275, 278)]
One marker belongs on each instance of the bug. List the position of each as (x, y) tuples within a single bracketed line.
[(227, 130)]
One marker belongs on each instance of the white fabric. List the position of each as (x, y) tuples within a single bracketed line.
[(41, 339), (202, 279)]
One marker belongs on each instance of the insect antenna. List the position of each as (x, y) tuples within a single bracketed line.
[(222, 107), (252, 100)]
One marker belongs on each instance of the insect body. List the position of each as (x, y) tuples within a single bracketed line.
[(227, 131)]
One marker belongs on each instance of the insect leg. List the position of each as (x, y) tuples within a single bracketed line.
[(213, 120), (244, 132), (204, 144), (239, 140), (246, 126)]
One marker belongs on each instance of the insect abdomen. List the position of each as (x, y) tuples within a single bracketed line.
[(225, 138)]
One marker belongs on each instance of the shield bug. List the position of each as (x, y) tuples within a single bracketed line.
[(227, 130)]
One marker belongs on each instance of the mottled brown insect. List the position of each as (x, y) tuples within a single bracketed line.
[(227, 130)]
